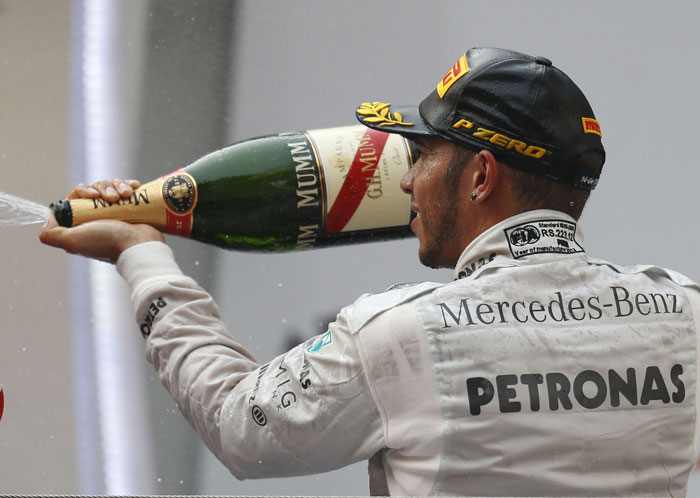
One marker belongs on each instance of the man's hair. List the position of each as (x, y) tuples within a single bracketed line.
[(536, 192), (533, 191), (460, 158)]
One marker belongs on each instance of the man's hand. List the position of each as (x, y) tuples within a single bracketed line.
[(104, 240), (110, 191)]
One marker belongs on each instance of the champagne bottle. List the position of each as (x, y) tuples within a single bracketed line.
[(276, 193)]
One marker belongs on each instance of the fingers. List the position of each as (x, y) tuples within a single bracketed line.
[(81, 190), (125, 188), (97, 239), (106, 190), (52, 236), (111, 191), (103, 240)]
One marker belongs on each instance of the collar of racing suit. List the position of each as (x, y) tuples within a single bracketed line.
[(526, 238)]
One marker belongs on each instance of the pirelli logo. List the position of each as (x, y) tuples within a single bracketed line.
[(456, 72), (590, 125), (501, 140)]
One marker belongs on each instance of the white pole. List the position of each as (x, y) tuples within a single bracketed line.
[(119, 365)]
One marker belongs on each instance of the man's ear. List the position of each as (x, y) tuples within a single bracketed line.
[(484, 177)]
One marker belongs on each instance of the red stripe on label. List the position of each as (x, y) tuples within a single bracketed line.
[(364, 165), (178, 225), (175, 224)]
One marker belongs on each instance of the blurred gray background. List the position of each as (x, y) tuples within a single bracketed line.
[(142, 87)]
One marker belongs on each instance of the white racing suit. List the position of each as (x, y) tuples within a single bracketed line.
[(538, 371)]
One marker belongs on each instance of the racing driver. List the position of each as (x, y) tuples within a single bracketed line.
[(538, 370)]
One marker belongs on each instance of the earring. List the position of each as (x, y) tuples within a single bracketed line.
[(473, 196)]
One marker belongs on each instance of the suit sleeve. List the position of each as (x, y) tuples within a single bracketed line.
[(307, 411)]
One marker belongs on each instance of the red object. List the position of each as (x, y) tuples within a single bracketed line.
[(178, 225), (2, 402), (590, 125), (356, 183)]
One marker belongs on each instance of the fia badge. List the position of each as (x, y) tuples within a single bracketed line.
[(542, 236)]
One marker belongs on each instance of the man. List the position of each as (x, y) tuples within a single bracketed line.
[(538, 371)]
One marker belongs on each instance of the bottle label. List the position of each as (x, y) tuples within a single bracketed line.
[(166, 203), (362, 170), (144, 206), (309, 189), (179, 191)]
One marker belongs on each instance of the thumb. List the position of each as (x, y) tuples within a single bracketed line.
[(51, 221), (52, 235)]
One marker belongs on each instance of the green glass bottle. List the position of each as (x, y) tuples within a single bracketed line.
[(277, 193)]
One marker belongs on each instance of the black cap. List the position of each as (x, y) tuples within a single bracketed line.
[(527, 112), (63, 212)]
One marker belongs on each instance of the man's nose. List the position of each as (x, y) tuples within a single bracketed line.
[(407, 181)]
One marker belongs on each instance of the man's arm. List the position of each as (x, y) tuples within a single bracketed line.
[(306, 411)]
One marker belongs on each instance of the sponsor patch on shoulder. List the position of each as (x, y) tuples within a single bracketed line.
[(323, 341), (542, 236)]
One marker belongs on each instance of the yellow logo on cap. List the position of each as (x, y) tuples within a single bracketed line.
[(378, 112), (590, 125), (501, 140), (456, 72)]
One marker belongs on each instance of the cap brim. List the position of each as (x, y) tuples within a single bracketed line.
[(404, 120)]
